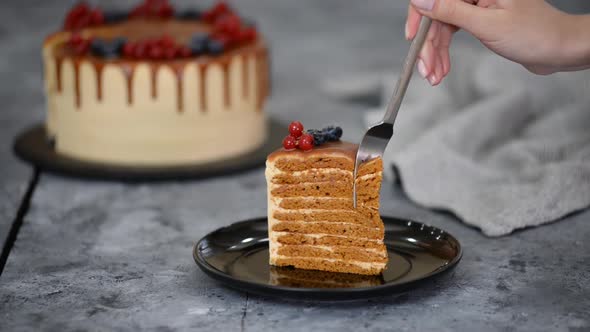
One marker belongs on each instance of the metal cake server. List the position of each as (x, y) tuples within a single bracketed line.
[(376, 138)]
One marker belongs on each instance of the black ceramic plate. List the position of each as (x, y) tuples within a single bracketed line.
[(33, 147), (237, 255)]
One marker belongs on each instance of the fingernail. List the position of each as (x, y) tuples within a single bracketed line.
[(423, 4), (422, 68), (407, 32), (432, 79)]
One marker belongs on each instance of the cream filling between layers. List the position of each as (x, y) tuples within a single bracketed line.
[(362, 265), (276, 234)]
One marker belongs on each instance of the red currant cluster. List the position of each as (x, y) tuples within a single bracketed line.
[(228, 28), (82, 16), (153, 8), (297, 139), (78, 44), (156, 48)]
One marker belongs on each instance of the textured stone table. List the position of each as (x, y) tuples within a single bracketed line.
[(97, 255)]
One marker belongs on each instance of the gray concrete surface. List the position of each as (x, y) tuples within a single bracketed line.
[(109, 256)]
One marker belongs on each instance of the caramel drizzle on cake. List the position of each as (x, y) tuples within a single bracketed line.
[(312, 222), (258, 52)]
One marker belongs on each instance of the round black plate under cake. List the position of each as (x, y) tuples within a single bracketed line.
[(237, 256), (33, 147)]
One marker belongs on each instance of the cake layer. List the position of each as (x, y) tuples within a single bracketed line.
[(367, 189), (325, 240), (344, 162), (334, 252), (347, 216), (312, 175), (332, 228), (324, 264), (289, 277), (339, 203)]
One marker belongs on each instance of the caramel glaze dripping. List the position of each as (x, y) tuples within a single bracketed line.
[(98, 68), (128, 68), (77, 84), (245, 76), (129, 72), (202, 87), (179, 90), (226, 84)]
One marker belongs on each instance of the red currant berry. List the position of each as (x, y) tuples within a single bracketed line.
[(306, 142), (166, 41), (82, 47), (296, 129), (248, 34), (170, 53), (140, 50), (156, 52), (289, 142), (184, 51), (96, 17), (129, 49), (75, 39)]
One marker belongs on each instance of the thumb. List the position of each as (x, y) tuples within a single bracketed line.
[(456, 12)]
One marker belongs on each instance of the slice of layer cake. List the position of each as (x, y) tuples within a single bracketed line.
[(312, 222)]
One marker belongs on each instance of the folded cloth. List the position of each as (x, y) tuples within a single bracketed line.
[(499, 147)]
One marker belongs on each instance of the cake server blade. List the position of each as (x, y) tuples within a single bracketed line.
[(375, 140)]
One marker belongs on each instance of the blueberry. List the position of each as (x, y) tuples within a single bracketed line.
[(215, 47), (200, 37), (333, 133), (107, 49), (189, 14), (319, 137), (115, 16), (199, 43), (97, 47)]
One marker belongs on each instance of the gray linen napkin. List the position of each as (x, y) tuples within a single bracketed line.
[(499, 147)]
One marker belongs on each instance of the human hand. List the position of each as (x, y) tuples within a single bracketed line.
[(530, 32)]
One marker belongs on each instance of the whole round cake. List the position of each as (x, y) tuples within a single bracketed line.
[(155, 86)]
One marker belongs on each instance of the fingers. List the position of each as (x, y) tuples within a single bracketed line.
[(456, 12), (412, 23), (434, 62)]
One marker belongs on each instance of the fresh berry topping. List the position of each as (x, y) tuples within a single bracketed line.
[(228, 24), (332, 133), (248, 34), (183, 51), (82, 16), (189, 14), (96, 17), (129, 49), (296, 129), (170, 53), (306, 142), (140, 50), (107, 49), (198, 44), (166, 42), (82, 48), (156, 52), (216, 11), (153, 8), (289, 142), (115, 16), (216, 46), (75, 39), (319, 137), (327, 134)]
